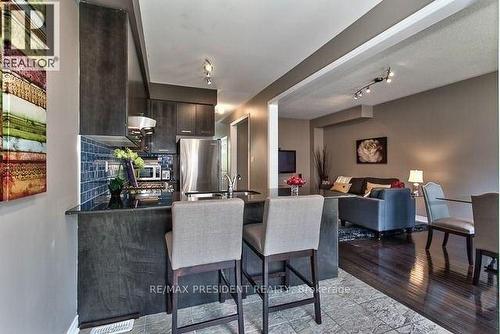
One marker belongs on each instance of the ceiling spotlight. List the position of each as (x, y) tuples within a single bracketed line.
[(368, 90), (355, 96), (391, 73), (388, 80), (209, 81), (208, 67), (219, 109)]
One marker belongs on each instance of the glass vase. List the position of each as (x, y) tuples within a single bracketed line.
[(294, 190)]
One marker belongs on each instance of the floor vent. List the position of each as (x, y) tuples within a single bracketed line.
[(115, 328)]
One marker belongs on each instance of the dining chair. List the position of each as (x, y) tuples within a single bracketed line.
[(438, 217), (485, 213)]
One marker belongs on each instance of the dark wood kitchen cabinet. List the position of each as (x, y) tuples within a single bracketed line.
[(186, 119), (103, 71), (163, 138), (195, 120), (205, 120), (112, 86)]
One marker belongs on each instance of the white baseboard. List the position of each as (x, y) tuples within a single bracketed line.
[(421, 219), (73, 329)]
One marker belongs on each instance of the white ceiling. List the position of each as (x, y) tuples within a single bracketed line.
[(250, 43), (462, 46)]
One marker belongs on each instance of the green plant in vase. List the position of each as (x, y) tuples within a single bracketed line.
[(130, 160), (116, 186)]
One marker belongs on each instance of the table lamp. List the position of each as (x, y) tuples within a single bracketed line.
[(416, 177)]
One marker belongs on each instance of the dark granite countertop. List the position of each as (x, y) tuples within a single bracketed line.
[(164, 200)]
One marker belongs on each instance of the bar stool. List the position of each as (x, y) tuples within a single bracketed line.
[(206, 236), (290, 229)]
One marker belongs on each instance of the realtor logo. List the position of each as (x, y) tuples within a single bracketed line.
[(30, 34)]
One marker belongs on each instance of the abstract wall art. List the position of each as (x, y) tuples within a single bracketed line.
[(23, 131)]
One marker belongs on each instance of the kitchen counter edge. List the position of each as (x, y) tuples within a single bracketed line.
[(176, 196)]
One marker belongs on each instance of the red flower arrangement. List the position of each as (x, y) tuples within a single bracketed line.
[(397, 184), (295, 181)]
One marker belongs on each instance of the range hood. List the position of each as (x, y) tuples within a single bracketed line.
[(141, 123), (139, 127)]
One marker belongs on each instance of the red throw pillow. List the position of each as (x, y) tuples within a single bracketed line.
[(397, 184)]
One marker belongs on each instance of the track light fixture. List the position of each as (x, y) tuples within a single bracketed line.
[(208, 70), (367, 88)]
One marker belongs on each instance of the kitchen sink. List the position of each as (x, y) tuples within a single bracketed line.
[(205, 195), (218, 194), (245, 192)]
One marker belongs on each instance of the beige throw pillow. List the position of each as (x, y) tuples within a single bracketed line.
[(341, 187), (343, 179), (370, 186)]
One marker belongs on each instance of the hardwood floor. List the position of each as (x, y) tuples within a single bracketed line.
[(436, 284)]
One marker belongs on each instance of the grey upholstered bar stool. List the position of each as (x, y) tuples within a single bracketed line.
[(290, 229), (485, 212), (206, 236), (439, 218)]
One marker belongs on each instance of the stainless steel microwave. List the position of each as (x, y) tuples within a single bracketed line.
[(150, 172)]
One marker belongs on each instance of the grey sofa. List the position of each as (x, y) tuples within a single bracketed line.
[(383, 210)]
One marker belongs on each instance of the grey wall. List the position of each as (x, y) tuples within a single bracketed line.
[(381, 17), (317, 126), (242, 156), (355, 113), (451, 133), (38, 242), (221, 130), (293, 134)]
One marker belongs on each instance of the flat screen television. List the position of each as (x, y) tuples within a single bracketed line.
[(286, 161)]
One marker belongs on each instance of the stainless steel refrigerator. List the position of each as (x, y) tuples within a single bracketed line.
[(200, 165)]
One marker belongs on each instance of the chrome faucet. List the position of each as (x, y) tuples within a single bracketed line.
[(231, 182)]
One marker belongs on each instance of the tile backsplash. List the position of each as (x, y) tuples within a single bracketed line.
[(98, 165), (96, 159)]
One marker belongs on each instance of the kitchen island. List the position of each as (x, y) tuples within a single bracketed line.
[(122, 253)]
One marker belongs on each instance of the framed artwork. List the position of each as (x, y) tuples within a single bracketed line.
[(23, 133), (371, 151)]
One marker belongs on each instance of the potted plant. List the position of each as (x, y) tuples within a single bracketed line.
[(322, 164), (115, 186)]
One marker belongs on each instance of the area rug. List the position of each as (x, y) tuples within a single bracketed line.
[(355, 232), (348, 305)]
